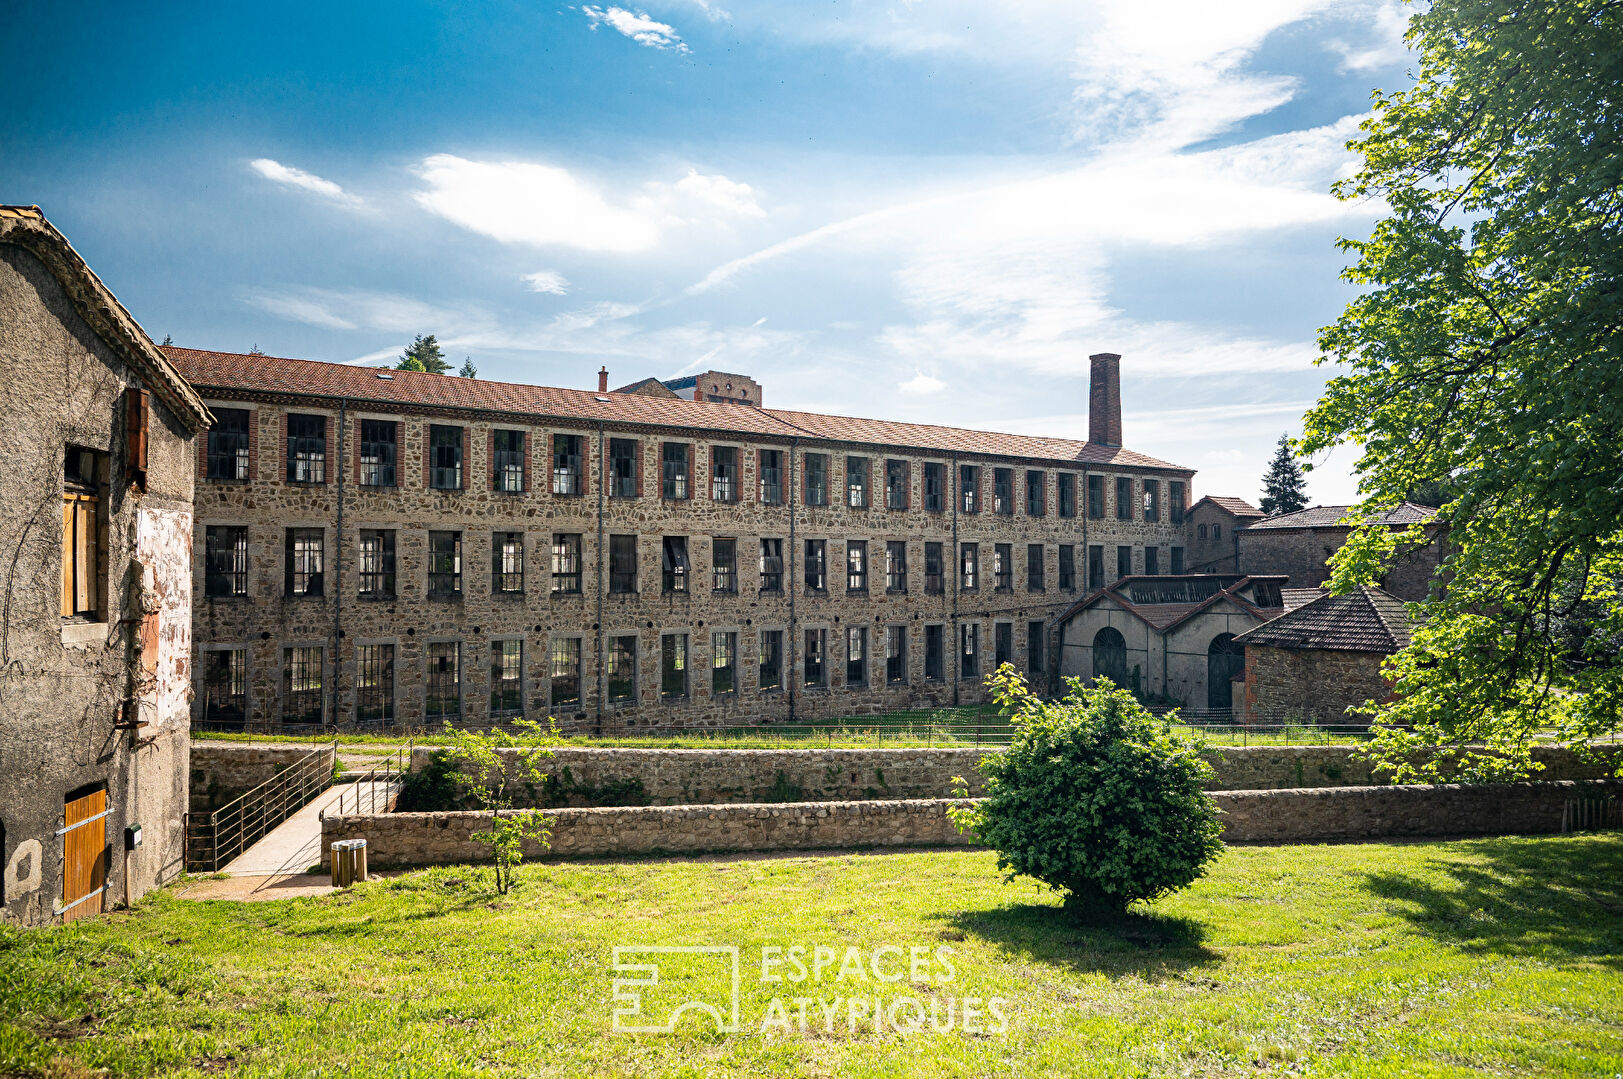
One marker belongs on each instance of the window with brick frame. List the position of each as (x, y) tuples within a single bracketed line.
[(771, 565), (673, 666), (228, 444), (375, 554), (443, 699), (444, 565), (1175, 501), (374, 683), (969, 567), (1152, 560), (723, 663), (445, 463), (856, 565), (816, 479), (897, 482), (1003, 491), (1177, 560), (225, 685), (1096, 566), (1124, 498), (935, 570), (673, 564), (380, 453), (771, 462), (1036, 493), (969, 488), (856, 656), (622, 565), (625, 468), (1096, 498), (1035, 577), (1152, 500), (1200, 531), (896, 566), (724, 479), (304, 696), (770, 664), (676, 471), (507, 563), (895, 655), (1036, 648), (507, 462), (622, 669), (816, 574), (723, 564), (225, 561), (1003, 567), (815, 661), (1067, 567), (856, 482), (1066, 484), (935, 652), (1124, 562), (1002, 644), (302, 563), (935, 486), (969, 650), (563, 670), (568, 454), (506, 679), (306, 448), (566, 571)]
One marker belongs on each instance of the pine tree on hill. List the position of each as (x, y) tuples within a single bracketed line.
[(423, 354), (1284, 489)]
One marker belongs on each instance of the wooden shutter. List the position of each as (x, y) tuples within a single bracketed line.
[(84, 860), (136, 423)]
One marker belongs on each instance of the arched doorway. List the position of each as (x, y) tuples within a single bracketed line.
[(1110, 656), (1224, 660)]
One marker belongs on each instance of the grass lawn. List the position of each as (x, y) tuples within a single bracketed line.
[(1483, 956)]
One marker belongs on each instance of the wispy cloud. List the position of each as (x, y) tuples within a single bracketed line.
[(548, 281), (922, 384), (637, 26), (288, 176), (1384, 45)]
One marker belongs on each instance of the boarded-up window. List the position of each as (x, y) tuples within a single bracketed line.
[(81, 533)]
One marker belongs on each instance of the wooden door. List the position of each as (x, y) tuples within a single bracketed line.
[(84, 856)]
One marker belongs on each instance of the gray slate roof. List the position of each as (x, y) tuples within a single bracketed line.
[(1404, 513), (1368, 620)]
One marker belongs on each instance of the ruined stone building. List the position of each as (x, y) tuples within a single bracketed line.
[(97, 430), (394, 546)]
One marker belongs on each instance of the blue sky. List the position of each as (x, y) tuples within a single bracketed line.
[(930, 211)]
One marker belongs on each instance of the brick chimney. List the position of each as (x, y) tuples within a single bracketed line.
[(603, 381), (1104, 400)]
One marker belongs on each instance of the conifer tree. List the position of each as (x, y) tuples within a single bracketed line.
[(423, 354), (1284, 490), (468, 369)]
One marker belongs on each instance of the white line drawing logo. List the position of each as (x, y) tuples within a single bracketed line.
[(628, 996)]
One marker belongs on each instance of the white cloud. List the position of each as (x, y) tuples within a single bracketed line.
[(363, 309), (1385, 48), (922, 384), (548, 281), (527, 202), (289, 176), (637, 26)]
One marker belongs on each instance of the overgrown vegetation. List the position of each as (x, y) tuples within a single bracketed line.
[(1096, 797), (489, 780)]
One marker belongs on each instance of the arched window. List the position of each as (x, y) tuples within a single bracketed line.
[(1224, 660), (1110, 656)]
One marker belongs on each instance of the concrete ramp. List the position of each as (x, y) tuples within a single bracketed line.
[(295, 845)]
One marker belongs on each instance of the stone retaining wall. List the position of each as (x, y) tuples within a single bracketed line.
[(738, 776), (221, 771), (1282, 816)]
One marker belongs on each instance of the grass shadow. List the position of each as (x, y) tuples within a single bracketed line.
[(1152, 946), (1530, 898)]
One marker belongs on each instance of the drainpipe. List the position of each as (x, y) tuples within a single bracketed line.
[(602, 556), (953, 560), (793, 584), (338, 567)]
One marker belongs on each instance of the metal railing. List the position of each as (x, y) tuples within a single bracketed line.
[(215, 838), (372, 790)]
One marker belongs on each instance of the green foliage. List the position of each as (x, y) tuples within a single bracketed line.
[(423, 354), (563, 789), (434, 789), (782, 790), (1482, 357), (468, 369), (490, 780), (1284, 488), (1096, 797)]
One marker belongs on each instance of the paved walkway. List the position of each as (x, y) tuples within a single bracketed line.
[(295, 845)]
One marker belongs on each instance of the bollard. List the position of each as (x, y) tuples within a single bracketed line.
[(348, 862)]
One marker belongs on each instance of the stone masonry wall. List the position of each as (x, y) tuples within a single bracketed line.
[(265, 622), (1285, 816), (705, 776), (1310, 686), (1300, 553)]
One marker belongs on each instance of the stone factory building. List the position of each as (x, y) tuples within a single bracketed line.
[(1314, 662), (394, 546), (97, 429), (1299, 544), (1215, 523)]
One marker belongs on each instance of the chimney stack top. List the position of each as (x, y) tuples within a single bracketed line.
[(1104, 399), (603, 380)]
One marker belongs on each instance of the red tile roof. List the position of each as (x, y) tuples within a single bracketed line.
[(1404, 513), (1236, 507), (1368, 620), (225, 372)]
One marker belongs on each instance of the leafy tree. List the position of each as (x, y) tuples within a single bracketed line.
[(1095, 797), (468, 369), (491, 781), (1284, 489), (423, 354), (1485, 350)]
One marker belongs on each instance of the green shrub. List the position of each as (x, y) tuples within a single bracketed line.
[(434, 789), (1095, 797)]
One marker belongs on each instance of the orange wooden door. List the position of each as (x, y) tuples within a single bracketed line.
[(84, 856)]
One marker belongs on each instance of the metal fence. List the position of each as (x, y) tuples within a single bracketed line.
[(214, 839), (372, 790)]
